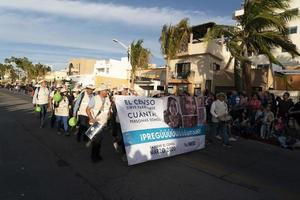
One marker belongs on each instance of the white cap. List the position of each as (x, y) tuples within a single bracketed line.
[(90, 87)]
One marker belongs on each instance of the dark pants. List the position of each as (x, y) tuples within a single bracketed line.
[(83, 122), (53, 120), (43, 114), (96, 145)]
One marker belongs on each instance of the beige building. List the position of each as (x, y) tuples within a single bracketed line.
[(81, 66), (202, 65)]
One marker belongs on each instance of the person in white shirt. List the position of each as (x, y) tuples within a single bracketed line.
[(61, 110), (79, 111), (41, 99), (98, 110), (219, 112), (55, 90)]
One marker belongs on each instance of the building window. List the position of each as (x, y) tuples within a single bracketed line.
[(264, 66), (292, 30), (183, 70), (216, 67), (107, 70), (101, 70)]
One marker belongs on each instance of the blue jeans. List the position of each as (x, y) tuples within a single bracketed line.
[(43, 114), (64, 120), (223, 132)]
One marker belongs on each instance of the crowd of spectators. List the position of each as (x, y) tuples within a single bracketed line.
[(260, 116)]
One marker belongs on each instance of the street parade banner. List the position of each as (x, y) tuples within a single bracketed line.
[(155, 128)]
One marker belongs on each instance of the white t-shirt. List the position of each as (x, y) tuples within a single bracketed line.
[(83, 105), (41, 96)]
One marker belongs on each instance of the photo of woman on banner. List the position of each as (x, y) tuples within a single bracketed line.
[(201, 115), (172, 114), (189, 111), (200, 101), (188, 105)]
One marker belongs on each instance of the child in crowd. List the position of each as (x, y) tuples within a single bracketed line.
[(242, 124), (267, 120)]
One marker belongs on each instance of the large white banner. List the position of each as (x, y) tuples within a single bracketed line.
[(155, 128)]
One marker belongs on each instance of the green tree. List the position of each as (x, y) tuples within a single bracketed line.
[(173, 39), (139, 58), (262, 28), (23, 64), (3, 69)]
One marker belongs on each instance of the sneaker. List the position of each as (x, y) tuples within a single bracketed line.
[(88, 144), (227, 145), (232, 139), (116, 147), (218, 137)]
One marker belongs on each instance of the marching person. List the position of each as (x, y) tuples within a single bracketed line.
[(55, 90), (41, 98), (79, 111), (98, 110), (61, 110)]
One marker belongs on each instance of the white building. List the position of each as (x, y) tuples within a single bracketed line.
[(113, 73)]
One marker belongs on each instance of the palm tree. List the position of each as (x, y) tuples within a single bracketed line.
[(173, 39), (70, 69), (262, 28), (139, 58)]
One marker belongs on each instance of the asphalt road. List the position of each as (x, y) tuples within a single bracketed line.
[(38, 164)]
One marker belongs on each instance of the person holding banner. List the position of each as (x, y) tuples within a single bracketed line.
[(98, 111), (80, 110), (172, 116)]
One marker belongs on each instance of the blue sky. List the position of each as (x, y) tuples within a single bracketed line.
[(54, 31)]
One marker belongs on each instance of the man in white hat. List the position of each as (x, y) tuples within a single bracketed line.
[(79, 110), (98, 110), (42, 99)]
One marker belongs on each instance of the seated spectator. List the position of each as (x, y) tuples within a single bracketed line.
[(242, 124)]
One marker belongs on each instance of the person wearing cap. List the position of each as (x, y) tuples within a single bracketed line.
[(42, 99), (61, 110), (79, 111), (98, 110), (219, 112)]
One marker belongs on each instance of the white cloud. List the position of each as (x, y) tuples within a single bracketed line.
[(141, 16), (75, 24)]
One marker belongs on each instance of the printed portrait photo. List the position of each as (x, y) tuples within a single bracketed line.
[(172, 115)]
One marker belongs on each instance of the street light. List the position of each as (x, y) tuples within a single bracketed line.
[(125, 47), (128, 50)]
